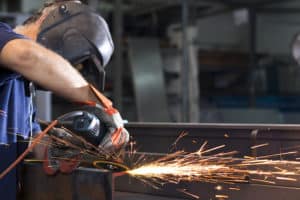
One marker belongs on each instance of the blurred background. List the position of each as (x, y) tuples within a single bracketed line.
[(208, 61)]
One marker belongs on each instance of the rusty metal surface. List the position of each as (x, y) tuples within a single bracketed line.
[(82, 184)]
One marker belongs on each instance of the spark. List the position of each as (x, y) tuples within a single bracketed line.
[(263, 181), (174, 145), (234, 188), (259, 146), (222, 196), (202, 147), (211, 150), (183, 166), (286, 179), (249, 157), (277, 155), (184, 191), (219, 187), (188, 170), (211, 166)]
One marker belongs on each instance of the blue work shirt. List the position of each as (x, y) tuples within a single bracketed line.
[(16, 109)]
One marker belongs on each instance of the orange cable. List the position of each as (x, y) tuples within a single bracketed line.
[(30, 148)]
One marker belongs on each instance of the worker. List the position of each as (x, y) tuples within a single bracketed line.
[(23, 60)]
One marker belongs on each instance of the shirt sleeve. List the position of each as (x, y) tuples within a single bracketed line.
[(7, 34)]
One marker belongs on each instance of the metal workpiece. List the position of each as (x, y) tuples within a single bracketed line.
[(135, 196), (82, 184), (239, 137), (135, 189), (157, 138)]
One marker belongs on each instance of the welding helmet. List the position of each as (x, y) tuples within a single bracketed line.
[(77, 33)]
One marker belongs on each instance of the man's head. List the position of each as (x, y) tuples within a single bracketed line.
[(43, 12), (74, 31)]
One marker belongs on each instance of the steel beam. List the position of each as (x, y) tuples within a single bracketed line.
[(155, 139), (240, 135), (83, 184)]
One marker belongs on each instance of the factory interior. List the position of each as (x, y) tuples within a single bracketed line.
[(210, 84)]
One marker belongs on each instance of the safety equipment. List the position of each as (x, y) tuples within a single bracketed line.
[(77, 33), (115, 136)]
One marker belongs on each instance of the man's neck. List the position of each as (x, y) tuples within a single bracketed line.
[(30, 30)]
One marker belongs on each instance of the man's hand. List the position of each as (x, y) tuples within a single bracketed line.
[(62, 154), (116, 136)]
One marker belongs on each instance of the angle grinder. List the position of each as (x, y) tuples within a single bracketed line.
[(88, 126), (84, 124)]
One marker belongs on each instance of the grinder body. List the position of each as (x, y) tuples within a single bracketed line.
[(84, 124)]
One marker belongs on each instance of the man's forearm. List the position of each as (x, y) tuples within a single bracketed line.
[(45, 68)]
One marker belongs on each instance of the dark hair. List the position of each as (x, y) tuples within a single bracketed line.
[(33, 18)]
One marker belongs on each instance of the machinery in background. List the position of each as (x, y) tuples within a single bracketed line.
[(296, 48), (148, 80), (13, 19)]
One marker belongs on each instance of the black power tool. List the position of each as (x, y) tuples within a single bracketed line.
[(90, 128), (84, 124)]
